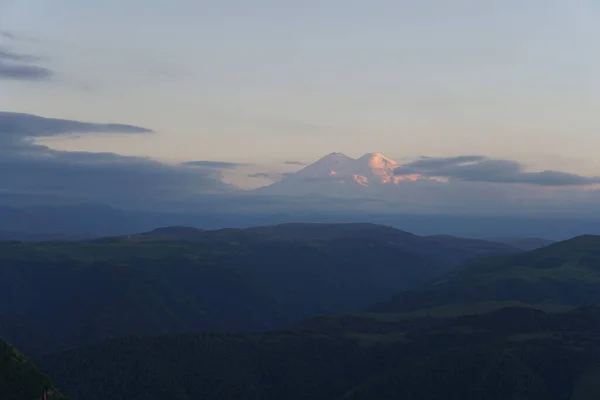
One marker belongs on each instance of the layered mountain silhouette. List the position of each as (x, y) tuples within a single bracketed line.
[(557, 278), (479, 333), (62, 294), (560, 276), (131, 313)]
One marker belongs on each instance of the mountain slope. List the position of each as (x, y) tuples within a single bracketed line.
[(61, 294), (209, 366), (445, 251), (514, 353), (560, 276), (20, 379), (524, 243), (396, 351)]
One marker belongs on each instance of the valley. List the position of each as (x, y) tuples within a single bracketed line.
[(298, 311), (61, 294)]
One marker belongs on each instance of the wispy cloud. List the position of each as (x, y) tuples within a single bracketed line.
[(476, 168), (274, 176), (295, 163), (8, 55), (29, 126), (214, 164), (18, 37), (19, 66), (24, 72), (8, 35), (265, 175)]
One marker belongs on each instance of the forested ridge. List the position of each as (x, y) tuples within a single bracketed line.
[(518, 325), (512, 353), (60, 294)]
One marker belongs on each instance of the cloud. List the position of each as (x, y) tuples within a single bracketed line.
[(24, 72), (8, 35), (17, 66), (295, 163), (31, 126), (18, 37), (274, 176), (214, 164), (7, 55), (474, 168), (30, 169), (430, 163), (265, 175)]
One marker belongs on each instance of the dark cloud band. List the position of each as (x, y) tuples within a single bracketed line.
[(214, 164), (30, 126), (274, 176), (24, 72), (17, 66), (30, 169), (295, 163), (475, 168)]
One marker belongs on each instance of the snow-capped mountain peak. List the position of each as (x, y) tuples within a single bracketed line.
[(377, 164), (338, 174), (378, 161), (331, 165)]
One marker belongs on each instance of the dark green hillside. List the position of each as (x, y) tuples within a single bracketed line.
[(524, 243), (515, 353), (399, 349), (20, 379), (445, 251), (558, 277), (211, 366), (63, 294), (74, 293)]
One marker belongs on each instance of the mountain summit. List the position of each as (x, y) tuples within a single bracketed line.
[(339, 174)]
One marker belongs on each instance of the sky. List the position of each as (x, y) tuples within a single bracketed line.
[(264, 86)]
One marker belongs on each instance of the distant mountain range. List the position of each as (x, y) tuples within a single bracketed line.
[(84, 221)]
